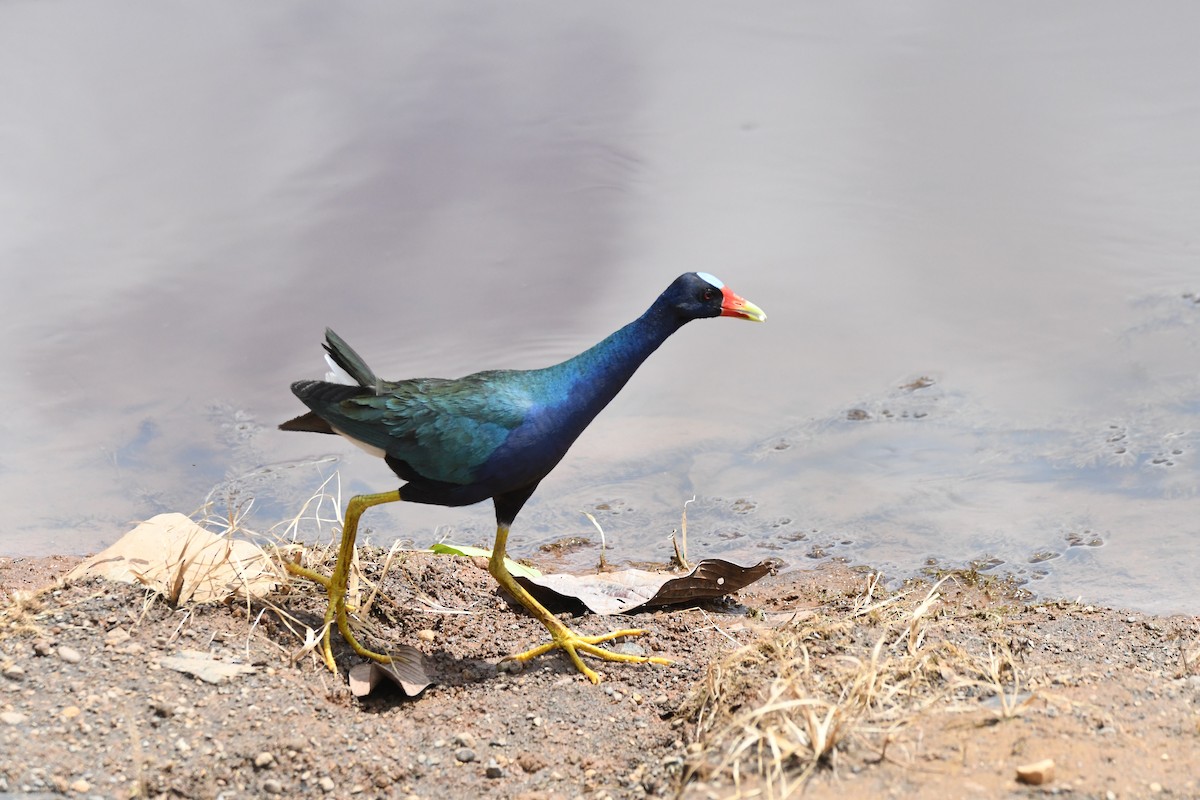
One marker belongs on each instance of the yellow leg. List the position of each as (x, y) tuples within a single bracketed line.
[(336, 583), (563, 637)]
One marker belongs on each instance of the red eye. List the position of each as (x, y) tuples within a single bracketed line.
[(709, 294)]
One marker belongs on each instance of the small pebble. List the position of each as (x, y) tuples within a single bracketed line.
[(272, 786), (426, 635), (14, 672), (493, 769), (81, 786), (464, 754), (1037, 773), (42, 648), (464, 739), (264, 759), (531, 762), (115, 637), (12, 717), (326, 783), (69, 654)]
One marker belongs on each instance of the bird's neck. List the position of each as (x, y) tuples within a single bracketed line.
[(593, 378)]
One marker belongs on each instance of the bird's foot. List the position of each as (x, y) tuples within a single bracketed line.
[(305, 572), (573, 644), (338, 614)]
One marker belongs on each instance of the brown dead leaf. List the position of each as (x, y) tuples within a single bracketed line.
[(184, 562), (631, 589), (407, 671)]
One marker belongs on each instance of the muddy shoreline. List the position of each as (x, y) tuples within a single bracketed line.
[(90, 709)]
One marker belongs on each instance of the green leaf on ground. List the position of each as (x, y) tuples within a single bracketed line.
[(520, 570)]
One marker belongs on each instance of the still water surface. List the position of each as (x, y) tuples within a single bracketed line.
[(974, 229)]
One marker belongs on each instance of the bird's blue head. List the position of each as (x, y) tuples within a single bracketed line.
[(697, 295)]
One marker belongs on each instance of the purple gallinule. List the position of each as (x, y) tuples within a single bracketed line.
[(492, 435)]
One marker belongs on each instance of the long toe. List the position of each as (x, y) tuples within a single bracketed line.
[(343, 623), (575, 645), (336, 614)]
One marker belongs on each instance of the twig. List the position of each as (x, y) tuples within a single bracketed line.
[(681, 546), (375, 586), (603, 544), (719, 629)]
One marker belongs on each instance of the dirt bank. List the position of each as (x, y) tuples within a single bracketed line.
[(818, 679)]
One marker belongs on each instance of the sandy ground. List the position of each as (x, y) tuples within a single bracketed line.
[(960, 692)]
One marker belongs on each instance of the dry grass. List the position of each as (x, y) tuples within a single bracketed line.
[(680, 557), (19, 613), (773, 712), (318, 516), (171, 576), (319, 520)]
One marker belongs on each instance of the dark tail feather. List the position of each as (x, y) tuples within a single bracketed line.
[(318, 394), (309, 422), (344, 356)]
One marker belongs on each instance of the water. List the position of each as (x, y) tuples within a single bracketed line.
[(973, 229)]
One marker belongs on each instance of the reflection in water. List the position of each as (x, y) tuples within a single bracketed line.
[(1002, 204)]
